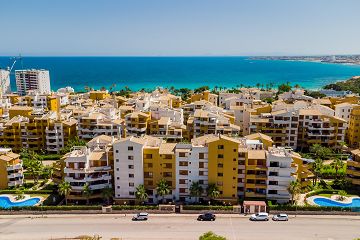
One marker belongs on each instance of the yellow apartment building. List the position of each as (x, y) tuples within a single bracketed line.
[(11, 170), (354, 127), (223, 166), (353, 168), (137, 123), (256, 174), (98, 95), (207, 96)]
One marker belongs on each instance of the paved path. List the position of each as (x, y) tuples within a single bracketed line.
[(234, 227)]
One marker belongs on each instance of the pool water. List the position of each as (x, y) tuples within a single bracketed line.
[(5, 202), (325, 202)]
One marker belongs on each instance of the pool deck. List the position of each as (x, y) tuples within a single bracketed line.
[(347, 200)]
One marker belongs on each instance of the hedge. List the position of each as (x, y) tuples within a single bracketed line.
[(26, 191), (45, 208), (307, 208), (134, 207), (203, 207)]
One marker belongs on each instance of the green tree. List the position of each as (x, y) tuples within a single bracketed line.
[(294, 189), (48, 172), (106, 194), (284, 88), (33, 165), (297, 86), (321, 152), (211, 236), (316, 167), (212, 191), (64, 189), (196, 190), (342, 195), (163, 189), (140, 193), (86, 192), (337, 164), (76, 141), (258, 85)]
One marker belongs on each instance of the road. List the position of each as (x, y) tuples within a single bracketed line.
[(233, 227)]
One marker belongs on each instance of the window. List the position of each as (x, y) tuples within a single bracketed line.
[(182, 181), (131, 175), (131, 184), (148, 156), (220, 156), (183, 172), (150, 165), (131, 166), (220, 146), (201, 173), (131, 193), (201, 155), (201, 164), (130, 157), (117, 169), (117, 160), (220, 174), (220, 165), (182, 154), (183, 163), (130, 148)]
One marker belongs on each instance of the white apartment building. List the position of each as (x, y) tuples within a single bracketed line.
[(128, 167), (32, 79), (89, 166), (343, 110), (191, 166), (5, 81), (279, 174)]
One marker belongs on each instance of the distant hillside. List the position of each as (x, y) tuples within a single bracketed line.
[(353, 84)]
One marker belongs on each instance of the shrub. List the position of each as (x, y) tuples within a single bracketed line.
[(45, 208), (134, 207), (307, 208), (203, 207), (211, 236), (323, 191), (27, 191)]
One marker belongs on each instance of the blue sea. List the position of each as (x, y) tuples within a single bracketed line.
[(189, 72)]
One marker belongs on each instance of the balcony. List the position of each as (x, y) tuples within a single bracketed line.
[(255, 195), (15, 175), (14, 167), (353, 172), (353, 164), (15, 183)]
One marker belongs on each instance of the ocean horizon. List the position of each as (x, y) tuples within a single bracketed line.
[(149, 72)]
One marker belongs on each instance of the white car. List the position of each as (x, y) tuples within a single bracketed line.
[(280, 217), (141, 217), (261, 216)]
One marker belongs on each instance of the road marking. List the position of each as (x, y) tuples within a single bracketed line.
[(232, 229)]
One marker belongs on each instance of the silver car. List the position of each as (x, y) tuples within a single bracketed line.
[(261, 216), (141, 217), (280, 217)]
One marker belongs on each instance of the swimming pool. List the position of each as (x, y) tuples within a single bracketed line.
[(326, 202), (5, 202)]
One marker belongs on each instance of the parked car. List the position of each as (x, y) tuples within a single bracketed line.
[(141, 217), (261, 216), (206, 217), (280, 217)]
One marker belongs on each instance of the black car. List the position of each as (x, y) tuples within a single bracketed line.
[(206, 217)]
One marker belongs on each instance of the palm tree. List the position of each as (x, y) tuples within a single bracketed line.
[(141, 193), (107, 193), (64, 189), (196, 190), (294, 189), (316, 168), (212, 191), (337, 164), (163, 188), (87, 193), (258, 85)]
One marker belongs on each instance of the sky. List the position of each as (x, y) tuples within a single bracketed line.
[(179, 27)]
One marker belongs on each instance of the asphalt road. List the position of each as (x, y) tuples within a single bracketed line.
[(233, 227)]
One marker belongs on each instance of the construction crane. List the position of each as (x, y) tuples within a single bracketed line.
[(9, 69)]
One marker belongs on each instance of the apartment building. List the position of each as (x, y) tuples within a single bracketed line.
[(204, 122), (98, 95), (165, 128), (32, 79), (96, 122), (280, 173), (58, 133), (11, 170), (42, 101), (137, 123), (13, 133), (89, 166), (5, 81), (128, 168), (314, 127), (207, 96), (353, 168), (354, 128), (281, 126)]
